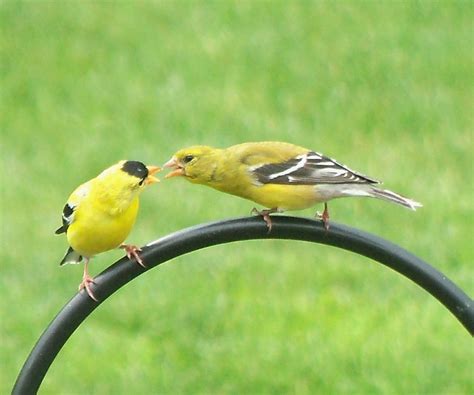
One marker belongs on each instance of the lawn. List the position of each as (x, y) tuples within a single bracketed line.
[(385, 87)]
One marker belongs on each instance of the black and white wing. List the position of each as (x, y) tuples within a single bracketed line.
[(71, 206), (308, 169), (68, 217)]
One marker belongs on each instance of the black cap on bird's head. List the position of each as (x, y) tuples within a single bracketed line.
[(135, 168), (139, 170)]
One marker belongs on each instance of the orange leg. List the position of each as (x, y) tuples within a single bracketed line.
[(132, 252), (87, 280)]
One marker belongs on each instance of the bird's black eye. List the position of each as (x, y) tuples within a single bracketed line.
[(188, 158)]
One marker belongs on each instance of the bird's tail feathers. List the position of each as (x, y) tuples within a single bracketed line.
[(390, 196), (71, 257)]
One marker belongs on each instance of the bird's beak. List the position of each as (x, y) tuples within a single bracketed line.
[(152, 170), (173, 164)]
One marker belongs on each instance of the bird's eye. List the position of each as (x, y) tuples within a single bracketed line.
[(188, 158)]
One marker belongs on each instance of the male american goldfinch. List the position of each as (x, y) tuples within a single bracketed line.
[(100, 214), (279, 176)]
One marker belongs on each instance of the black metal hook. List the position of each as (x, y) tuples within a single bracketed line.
[(197, 237)]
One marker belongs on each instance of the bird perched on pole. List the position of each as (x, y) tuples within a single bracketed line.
[(279, 176), (100, 214)]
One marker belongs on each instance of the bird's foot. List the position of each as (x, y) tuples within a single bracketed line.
[(266, 216), (86, 281), (324, 216), (132, 252)]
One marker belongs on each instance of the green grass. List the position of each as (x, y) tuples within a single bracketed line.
[(385, 87)]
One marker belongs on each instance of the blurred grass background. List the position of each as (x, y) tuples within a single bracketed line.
[(385, 87)]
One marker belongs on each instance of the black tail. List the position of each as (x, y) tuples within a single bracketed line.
[(71, 257)]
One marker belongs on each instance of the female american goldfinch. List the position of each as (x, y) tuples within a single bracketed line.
[(100, 214), (279, 176)]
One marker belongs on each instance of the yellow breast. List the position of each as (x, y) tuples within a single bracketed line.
[(96, 230)]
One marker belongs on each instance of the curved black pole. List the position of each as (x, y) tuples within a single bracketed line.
[(195, 238)]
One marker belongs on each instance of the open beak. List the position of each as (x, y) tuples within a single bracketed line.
[(152, 170), (173, 164)]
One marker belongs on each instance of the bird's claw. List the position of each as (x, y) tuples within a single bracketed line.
[(324, 216), (265, 214), (86, 280), (132, 252)]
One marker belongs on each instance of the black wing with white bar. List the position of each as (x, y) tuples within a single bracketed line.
[(308, 169), (68, 216)]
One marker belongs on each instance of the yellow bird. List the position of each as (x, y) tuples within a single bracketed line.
[(100, 214), (277, 175)]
